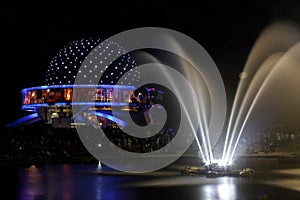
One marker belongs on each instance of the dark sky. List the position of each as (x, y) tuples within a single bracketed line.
[(33, 33)]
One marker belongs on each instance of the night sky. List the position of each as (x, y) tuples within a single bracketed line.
[(32, 34)]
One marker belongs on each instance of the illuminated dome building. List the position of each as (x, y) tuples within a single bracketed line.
[(52, 102)]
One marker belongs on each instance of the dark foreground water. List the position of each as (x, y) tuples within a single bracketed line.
[(87, 181)]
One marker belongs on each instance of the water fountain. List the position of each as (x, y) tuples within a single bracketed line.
[(268, 83), (267, 92)]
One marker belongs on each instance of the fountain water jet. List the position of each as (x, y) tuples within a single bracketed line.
[(276, 39), (202, 103), (256, 85)]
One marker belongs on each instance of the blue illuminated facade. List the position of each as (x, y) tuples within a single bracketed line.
[(54, 103)]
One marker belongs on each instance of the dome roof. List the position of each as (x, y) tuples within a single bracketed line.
[(67, 63)]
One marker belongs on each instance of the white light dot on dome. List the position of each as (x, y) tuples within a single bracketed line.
[(72, 56)]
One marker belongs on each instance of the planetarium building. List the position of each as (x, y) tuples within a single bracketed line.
[(94, 87)]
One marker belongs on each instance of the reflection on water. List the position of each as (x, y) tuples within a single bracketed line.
[(72, 182), (31, 188), (65, 182), (226, 190), (220, 188), (46, 183)]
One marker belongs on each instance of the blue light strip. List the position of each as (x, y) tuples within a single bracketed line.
[(24, 120), (25, 90), (33, 107)]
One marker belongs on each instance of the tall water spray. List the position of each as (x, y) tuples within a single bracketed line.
[(272, 52)]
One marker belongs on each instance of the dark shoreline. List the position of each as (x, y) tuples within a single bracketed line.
[(23, 161), (256, 161)]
